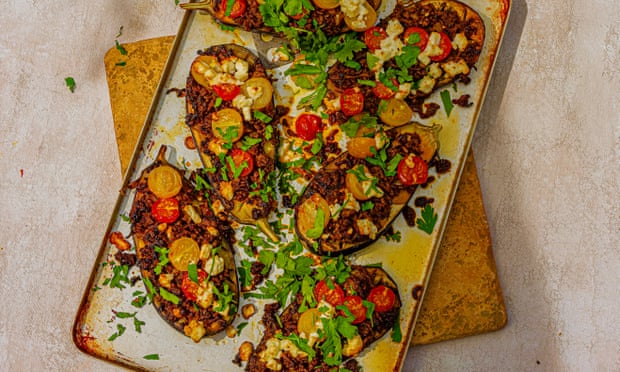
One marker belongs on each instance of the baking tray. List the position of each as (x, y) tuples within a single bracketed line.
[(156, 346)]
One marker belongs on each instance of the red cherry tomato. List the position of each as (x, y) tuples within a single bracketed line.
[(237, 10), (446, 46), (352, 101), (373, 37), (334, 296), (190, 288), (240, 157), (356, 307), (382, 297), (423, 35), (165, 210), (308, 125), (412, 170), (382, 91), (227, 92)]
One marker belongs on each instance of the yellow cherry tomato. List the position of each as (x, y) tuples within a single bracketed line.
[(182, 252), (164, 181), (227, 125), (308, 212), (355, 186), (309, 321), (395, 112), (200, 66), (260, 90)]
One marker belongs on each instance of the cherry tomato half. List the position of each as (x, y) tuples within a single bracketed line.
[(446, 46), (352, 101), (237, 10), (382, 297), (382, 91), (190, 288), (241, 157), (308, 125), (373, 37), (422, 34), (227, 92), (356, 307), (165, 210), (412, 170), (334, 296)]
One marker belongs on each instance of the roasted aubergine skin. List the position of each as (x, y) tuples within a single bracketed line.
[(164, 258), (274, 352), (348, 226), (225, 127)]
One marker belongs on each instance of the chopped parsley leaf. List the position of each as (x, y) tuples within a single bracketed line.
[(427, 222), (70, 83)]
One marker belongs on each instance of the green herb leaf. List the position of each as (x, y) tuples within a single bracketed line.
[(168, 296), (262, 117), (70, 83), (163, 259), (428, 220), (317, 230), (120, 329), (317, 145), (152, 356), (371, 60), (447, 101), (192, 272), (120, 48), (397, 335)]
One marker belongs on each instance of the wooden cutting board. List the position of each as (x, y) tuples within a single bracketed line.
[(463, 297)]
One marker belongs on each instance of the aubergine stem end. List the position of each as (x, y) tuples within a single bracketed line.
[(264, 226), (201, 5)]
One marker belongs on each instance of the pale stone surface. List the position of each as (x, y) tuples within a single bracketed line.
[(547, 148)]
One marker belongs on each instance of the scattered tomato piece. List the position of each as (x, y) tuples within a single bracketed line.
[(446, 46), (352, 101), (226, 91), (356, 306), (165, 210), (383, 298), (412, 170), (240, 157), (373, 37), (237, 9), (307, 126), (422, 34), (334, 296), (190, 288)]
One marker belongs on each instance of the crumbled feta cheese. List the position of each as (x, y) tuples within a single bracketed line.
[(453, 68), (403, 90), (426, 85), (356, 11), (214, 265), (391, 46), (205, 251), (195, 330), (459, 42), (216, 147), (241, 70), (244, 104), (366, 227), (204, 295), (226, 190), (432, 49)]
